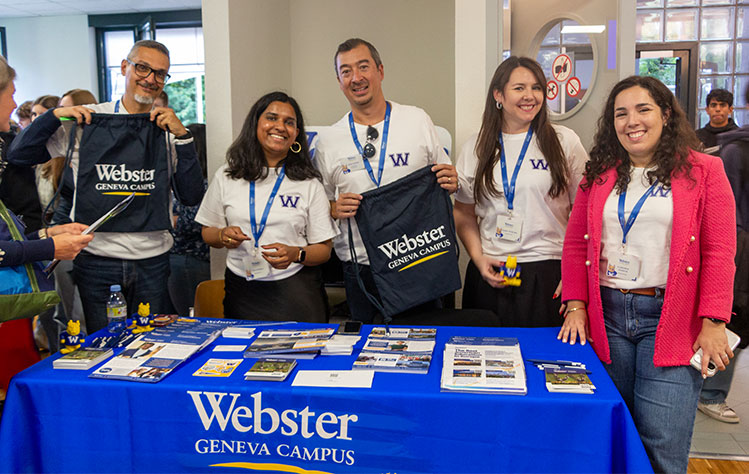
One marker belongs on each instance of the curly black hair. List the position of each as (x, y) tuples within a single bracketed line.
[(672, 152)]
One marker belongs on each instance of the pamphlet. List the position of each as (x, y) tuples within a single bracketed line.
[(270, 369), (483, 365), (275, 342), (218, 368), (83, 358), (569, 380), (403, 333)]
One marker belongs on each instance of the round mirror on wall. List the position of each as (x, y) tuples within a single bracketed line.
[(568, 60)]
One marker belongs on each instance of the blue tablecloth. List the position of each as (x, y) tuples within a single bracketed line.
[(62, 421)]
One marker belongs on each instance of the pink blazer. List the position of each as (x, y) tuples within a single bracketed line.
[(701, 261)]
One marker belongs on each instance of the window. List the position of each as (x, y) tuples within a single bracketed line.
[(720, 27), (181, 32)]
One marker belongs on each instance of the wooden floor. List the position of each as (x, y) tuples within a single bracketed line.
[(717, 466)]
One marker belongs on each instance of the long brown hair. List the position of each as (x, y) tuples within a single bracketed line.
[(672, 152), (488, 147)]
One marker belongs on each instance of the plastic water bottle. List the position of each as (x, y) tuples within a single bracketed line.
[(116, 310)]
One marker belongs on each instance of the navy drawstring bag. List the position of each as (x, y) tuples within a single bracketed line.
[(408, 230), (120, 154)]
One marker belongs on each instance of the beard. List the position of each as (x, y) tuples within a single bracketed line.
[(143, 99)]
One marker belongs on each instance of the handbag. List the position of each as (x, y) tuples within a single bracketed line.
[(24, 289), (408, 230)]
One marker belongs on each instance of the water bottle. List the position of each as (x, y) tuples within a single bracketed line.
[(116, 310)]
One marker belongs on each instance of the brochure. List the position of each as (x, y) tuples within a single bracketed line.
[(270, 369), (408, 363), (403, 333), (218, 368), (569, 380), (483, 365), (276, 342), (83, 358), (399, 346)]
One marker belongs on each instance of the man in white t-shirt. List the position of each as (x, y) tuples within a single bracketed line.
[(138, 261), (378, 142)]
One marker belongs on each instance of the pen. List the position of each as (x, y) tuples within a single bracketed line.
[(554, 362)]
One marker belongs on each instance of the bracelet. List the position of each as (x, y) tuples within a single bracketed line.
[(43, 233), (571, 310)]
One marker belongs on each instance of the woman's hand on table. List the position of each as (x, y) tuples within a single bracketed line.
[(575, 323)]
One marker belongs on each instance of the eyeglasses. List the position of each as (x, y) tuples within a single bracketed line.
[(144, 71), (369, 149)]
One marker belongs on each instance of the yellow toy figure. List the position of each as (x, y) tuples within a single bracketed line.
[(72, 338), (142, 322), (510, 271)]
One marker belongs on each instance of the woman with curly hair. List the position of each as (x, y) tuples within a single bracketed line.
[(518, 177), (647, 266), (268, 207)]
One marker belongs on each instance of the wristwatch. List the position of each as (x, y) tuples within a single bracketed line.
[(302, 255), (185, 136)]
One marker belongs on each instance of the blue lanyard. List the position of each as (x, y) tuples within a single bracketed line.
[(626, 226), (510, 187), (383, 146), (117, 106), (257, 231)]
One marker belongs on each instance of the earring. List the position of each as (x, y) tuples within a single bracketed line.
[(298, 147), (499, 105)]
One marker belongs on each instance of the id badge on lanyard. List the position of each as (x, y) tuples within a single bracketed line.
[(621, 265), (254, 264), (510, 228)]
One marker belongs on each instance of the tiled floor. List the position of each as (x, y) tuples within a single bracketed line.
[(713, 438)]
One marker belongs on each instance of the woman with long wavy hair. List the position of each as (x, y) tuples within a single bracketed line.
[(268, 207), (518, 179), (648, 262)]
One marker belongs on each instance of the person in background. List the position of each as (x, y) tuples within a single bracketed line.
[(162, 100), (189, 258), (719, 104), (648, 263), (734, 151), (24, 114), (518, 167), (43, 104), (268, 207), (364, 134)]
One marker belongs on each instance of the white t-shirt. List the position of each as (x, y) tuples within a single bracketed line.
[(412, 144), (299, 215), (544, 219), (649, 238), (123, 245)]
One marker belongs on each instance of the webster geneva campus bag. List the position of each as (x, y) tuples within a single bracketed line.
[(409, 233), (24, 289)]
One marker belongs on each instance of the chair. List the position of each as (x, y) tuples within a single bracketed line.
[(209, 299)]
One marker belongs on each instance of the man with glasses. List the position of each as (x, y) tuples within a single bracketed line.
[(376, 143), (138, 260)]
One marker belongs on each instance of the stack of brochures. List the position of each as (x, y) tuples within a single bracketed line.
[(155, 354), (82, 359), (239, 332), (270, 369), (483, 365), (340, 344), (289, 344), (406, 350), (568, 380)]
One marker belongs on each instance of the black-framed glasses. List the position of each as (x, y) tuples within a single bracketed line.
[(144, 71), (369, 149)]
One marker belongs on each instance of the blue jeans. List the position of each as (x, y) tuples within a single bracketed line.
[(186, 272), (662, 400), (142, 281)]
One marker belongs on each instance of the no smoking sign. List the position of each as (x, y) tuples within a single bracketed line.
[(573, 87)]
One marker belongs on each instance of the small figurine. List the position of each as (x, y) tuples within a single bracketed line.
[(72, 338), (142, 321), (510, 271)]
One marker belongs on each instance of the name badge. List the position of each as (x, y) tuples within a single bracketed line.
[(255, 266), (352, 163), (623, 267), (509, 228)]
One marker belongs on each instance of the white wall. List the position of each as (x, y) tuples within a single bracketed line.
[(51, 55)]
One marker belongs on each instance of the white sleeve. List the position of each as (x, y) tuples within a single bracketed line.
[(326, 171), (320, 226), (211, 212), (436, 151), (466, 167)]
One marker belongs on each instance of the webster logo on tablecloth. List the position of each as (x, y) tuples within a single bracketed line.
[(227, 412)]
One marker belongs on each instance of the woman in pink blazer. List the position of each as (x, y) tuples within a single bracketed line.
[(647, 263)]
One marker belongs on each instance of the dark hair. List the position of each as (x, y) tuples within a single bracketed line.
[(198, 138), (80, 97), (487, 145), (672, 152), (721, 95), (246, 158), (352, 43), (47, 101), (24, 110), (7, 73), (148, 44)]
